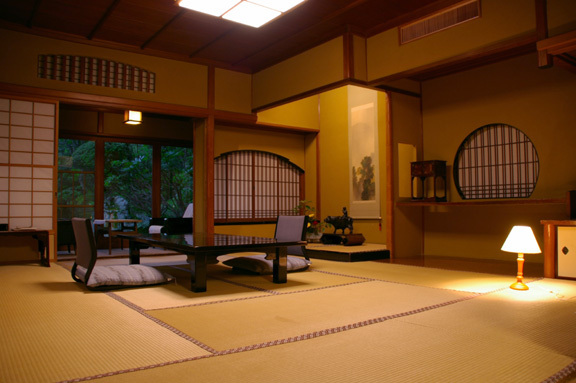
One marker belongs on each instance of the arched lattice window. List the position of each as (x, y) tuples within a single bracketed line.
[(496, 161), (255, 186)]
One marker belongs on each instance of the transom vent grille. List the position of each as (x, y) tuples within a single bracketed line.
[(439, 21)]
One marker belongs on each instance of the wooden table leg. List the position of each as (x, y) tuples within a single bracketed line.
[(109, 238), (549, 251), (199, 271), (279, 265), (134, 252), (43, 248)]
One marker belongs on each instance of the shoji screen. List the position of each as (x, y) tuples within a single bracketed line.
[(251, 185), (496, 161), (27, 163)]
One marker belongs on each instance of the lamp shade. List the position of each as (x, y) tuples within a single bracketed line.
[(521, 240)]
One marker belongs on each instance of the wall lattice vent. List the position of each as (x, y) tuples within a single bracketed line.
[(95, 71), (449, 17)]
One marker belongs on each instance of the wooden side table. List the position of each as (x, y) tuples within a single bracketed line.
[(425, 169), (40, 235), (132, 228)]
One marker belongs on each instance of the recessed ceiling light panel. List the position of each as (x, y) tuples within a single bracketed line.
[(251, 14), (211, 7), (254, 13), (278, 5)]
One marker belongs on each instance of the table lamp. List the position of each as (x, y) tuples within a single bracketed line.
[(521, 240)]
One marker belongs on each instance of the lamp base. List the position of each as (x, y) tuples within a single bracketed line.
[(519, 286)]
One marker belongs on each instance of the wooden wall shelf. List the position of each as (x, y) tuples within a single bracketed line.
[(555, 201)]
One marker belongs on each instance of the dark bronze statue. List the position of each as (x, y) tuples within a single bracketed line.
[(341, 223)]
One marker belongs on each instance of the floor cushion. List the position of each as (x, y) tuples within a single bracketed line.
[(258, 264)]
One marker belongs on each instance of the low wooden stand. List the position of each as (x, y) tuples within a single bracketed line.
[(342, 239), (340, 253)]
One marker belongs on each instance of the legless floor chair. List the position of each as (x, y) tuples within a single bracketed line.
[(95, 277), (288, 228)]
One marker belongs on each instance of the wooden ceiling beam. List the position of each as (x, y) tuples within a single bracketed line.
[(163, 28), (566, 61), (544, 59), (30, 22), (561, 49), (213, 41), (557, 45), (103, 19)]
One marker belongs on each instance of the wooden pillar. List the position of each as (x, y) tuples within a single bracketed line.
[(204, 165), (544, 59)]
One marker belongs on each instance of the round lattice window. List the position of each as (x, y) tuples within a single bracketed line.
[(496, 161)]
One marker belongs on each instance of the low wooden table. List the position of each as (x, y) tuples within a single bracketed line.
[(364, 252), (40, 235), (200, 249)]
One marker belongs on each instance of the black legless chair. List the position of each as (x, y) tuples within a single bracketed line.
[(95, 277), (288, 228)]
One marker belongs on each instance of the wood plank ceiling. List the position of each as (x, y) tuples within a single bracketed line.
[(162, 28)]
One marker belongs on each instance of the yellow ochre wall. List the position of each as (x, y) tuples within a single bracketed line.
[(539, 102), (232, 91), (500, 20), (406, 126), (329, 113), (561, 16), (152, 126), (177, 82), (317, 67), (334, 163), (302, 113)]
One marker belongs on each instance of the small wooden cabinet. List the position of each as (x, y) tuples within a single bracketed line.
[(566, 252), (423, 170), (559, 249)]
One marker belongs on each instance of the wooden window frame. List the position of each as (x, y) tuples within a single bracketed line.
[(496, 161), (100, 140), (229, 190)]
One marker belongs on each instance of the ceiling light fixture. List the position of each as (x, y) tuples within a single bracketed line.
[(254, 13), (132, 117)]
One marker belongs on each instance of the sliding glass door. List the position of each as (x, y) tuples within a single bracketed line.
[(76, 171), (176, 181), (127, 181), (128, 172)]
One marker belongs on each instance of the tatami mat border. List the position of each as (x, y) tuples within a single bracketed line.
[(312, 335), (272, 292), (557, 377), (159, 322), (562, 374)]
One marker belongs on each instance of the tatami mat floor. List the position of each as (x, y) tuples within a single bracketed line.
[(338, 322), (531, 269)]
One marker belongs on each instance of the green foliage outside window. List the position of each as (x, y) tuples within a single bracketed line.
[(177, 181), (76, 178), (127, 180)]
